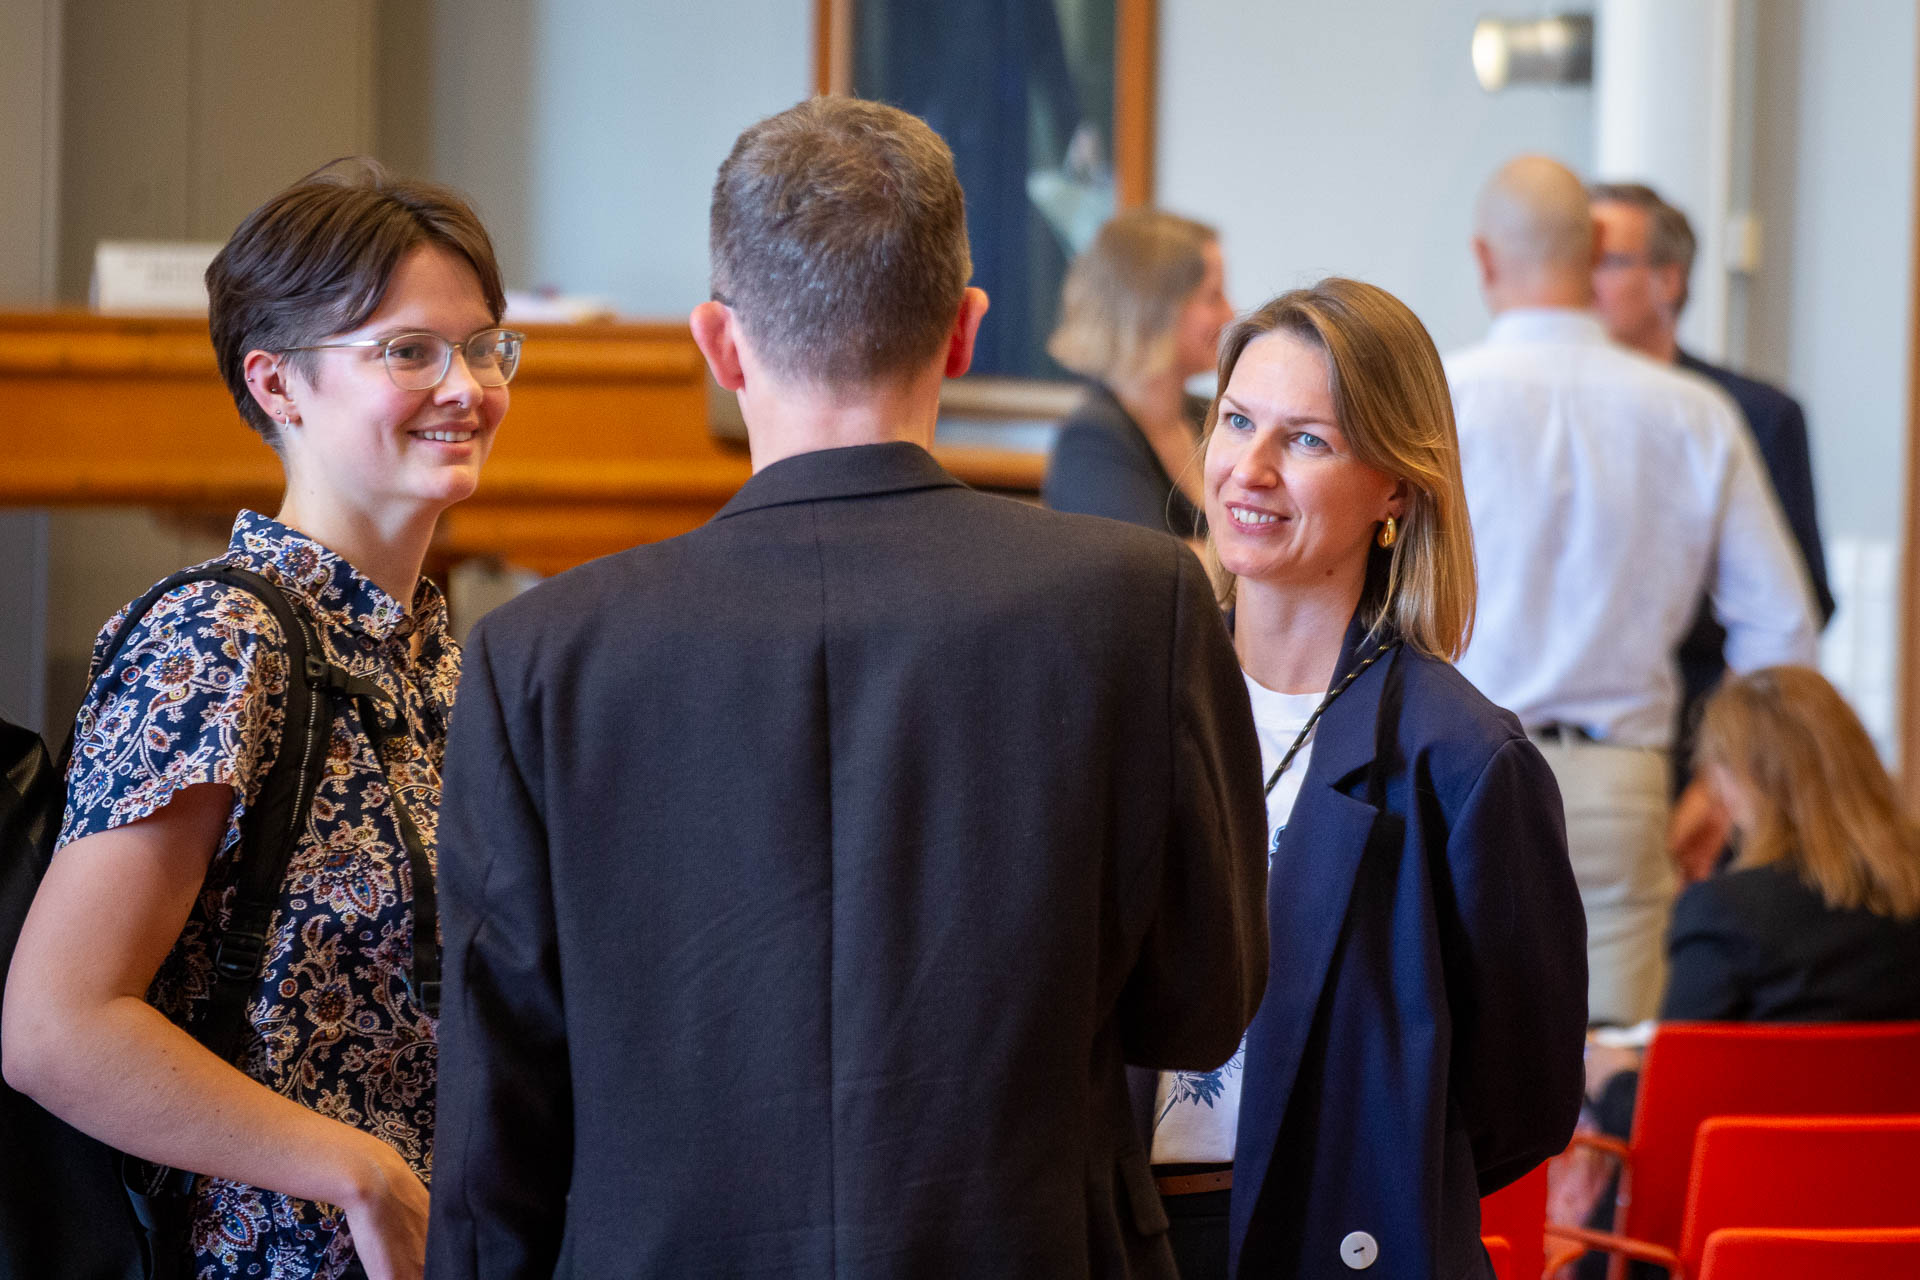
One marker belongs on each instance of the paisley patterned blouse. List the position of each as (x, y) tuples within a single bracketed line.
[(197, 695)]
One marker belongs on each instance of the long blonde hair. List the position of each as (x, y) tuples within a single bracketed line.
[(1822, 804), (1390, 395), (1121, 299)]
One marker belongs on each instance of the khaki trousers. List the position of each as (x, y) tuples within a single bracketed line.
[(1617, 807)]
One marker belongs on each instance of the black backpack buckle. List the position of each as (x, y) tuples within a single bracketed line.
[(238, 955)]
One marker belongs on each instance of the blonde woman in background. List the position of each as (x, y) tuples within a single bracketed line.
[(1818, 919), (1140, 313)]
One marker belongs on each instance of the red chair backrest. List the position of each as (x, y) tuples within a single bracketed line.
[(1749, 1253), (1701, 1069), (1801, 1172), (1517, 1214), (1502, 1257)]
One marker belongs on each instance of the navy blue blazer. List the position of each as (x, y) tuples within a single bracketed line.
[(1102, 465), (1780, 430), (1420, 1042)]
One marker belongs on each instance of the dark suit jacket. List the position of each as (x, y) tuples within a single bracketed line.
[(1421, 1040), (1758, 945), (809, 877), (1102, 465), (1780, 429)]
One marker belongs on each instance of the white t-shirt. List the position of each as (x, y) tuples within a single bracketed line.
[(1196, 1113)]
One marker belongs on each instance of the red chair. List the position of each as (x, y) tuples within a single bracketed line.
[(1789, 1172), (1749, 1253), (1517, 1215), (1501, 1255), (1696, 1070)]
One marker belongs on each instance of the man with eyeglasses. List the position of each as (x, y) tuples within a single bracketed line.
[(1640, 289), (811, 877)]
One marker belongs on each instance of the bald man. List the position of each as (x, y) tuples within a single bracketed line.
[(1606, 492)]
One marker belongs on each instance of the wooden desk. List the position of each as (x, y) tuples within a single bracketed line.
[(607, 443)]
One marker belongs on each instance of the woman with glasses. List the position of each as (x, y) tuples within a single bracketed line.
[(355, 318)]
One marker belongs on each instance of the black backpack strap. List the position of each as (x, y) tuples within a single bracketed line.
[(269, 831)]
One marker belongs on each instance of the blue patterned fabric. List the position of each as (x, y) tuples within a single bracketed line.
[(198, 695)]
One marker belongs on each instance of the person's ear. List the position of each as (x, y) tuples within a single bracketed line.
[(966, 327), (715, 334), (1397, 500), (267, 382), (1483, 259), (1673, 283)]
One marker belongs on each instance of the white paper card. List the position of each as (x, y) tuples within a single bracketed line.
[(137, 275)]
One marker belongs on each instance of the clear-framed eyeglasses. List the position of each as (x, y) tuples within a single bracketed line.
[(419, 361)]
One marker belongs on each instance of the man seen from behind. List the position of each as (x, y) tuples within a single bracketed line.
[(811, 876)]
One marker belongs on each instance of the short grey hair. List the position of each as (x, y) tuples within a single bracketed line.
[(838, 238)]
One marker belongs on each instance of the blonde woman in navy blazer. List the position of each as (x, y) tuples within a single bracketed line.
[(1420, 1040)]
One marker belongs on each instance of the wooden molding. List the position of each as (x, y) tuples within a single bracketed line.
[(608, 441), (1907, 703), (832, 46), (1136, 41), (1136, 75)]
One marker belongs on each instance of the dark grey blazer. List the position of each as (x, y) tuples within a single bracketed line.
[(1758, 945), (1102, 465), (1780, 430), (808, 878)]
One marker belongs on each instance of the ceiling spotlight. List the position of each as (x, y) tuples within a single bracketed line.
[(1556, 50)]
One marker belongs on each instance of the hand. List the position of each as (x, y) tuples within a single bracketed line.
[(1604, 1062), (388, 1217), (1698, 831)]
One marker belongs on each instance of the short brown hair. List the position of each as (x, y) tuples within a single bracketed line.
[(1122, 297), (839, 240), (1670, 239), (316, 259), (1823, 805), (1390, 396)]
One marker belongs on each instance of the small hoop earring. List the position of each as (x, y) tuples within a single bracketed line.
[(1389, 533)]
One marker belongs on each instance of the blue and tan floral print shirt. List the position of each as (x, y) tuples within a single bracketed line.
[(198, 695)]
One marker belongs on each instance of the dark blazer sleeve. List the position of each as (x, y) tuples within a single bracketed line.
[(1783, 446), (504, 1126), (1705, 976), (1516, 968), (1202, 967), (1095, 471)]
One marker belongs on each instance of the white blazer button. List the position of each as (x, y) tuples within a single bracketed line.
[(1358, 1251)]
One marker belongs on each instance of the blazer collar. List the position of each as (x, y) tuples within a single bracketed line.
[(852, 472), (1347, 737), (1316, 860)]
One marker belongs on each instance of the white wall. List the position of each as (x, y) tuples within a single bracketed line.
[(1829, 308), (588, 131), (1348, 139), (29, 200)]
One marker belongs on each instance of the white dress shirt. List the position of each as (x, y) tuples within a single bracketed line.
[(1605, 490)]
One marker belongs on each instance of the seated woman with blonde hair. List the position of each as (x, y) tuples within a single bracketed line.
[(1140, 313), (1818, 919)]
